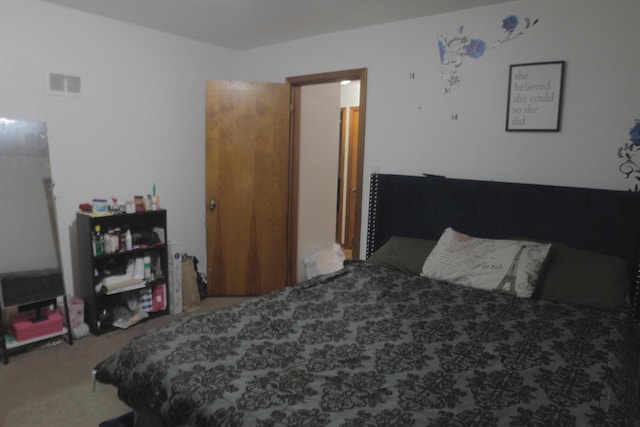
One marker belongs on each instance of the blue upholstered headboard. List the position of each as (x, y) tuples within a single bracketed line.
[(603, 221)]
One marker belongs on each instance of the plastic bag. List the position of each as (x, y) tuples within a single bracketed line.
[(76, 311), (325, 261)]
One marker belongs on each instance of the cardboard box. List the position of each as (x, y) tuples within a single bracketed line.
[(174, 254), (24, 328)]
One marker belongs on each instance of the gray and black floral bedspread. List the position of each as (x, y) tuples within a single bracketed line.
[(371, 347)]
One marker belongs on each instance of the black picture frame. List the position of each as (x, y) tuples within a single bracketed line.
[(534, 102)]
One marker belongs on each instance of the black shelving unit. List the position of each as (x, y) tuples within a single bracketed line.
[(149, 231)]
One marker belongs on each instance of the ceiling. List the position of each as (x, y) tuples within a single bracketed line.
[(247, 24)]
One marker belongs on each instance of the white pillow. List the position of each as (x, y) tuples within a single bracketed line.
[(511, 266)]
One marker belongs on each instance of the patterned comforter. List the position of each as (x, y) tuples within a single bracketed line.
[(368, 346)]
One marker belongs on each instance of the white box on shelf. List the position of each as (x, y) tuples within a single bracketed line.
[(174, 256)]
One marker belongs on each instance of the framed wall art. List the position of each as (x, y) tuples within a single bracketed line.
[(534, 102)]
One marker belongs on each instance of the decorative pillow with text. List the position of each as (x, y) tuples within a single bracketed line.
[(511, 266)]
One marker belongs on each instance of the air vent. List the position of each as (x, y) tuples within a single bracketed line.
[(64, 84)]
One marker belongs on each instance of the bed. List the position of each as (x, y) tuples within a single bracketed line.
[(379, 344)]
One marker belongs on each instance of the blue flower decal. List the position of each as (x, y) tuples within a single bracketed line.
[(475, 48), (510, 23), (442, 49), (629, 167), (452, 50), (634, 134)]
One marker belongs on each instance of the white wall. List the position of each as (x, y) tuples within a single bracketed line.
[(140, 118), (319, 152), (350, 94), (409, 126)]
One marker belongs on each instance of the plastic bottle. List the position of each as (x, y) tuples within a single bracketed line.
[(108, 247), (147, 267), (128, 241), (155, 202), (98, 242)]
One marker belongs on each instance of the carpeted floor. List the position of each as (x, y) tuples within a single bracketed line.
[(53, 386)]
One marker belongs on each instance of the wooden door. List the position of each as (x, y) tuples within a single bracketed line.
[(352, 178), (247, 177)]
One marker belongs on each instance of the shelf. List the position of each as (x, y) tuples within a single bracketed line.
[(151, 315), (134, 285), (151, 227), (15, 344), (119, 214), (137, 250)]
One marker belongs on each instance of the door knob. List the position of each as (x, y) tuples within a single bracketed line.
[(212, 205)]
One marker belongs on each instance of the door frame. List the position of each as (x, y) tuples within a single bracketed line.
[(296, 84), (341, 168), (349, 226)]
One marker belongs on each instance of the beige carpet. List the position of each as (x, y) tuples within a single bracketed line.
[(53, 386)]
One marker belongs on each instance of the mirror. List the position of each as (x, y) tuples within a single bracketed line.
[(29, 252)]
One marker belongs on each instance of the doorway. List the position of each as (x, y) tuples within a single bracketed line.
[(252, 181), (355, 188), (347, 175)]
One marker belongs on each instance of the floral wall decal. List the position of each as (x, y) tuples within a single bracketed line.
[(454, 49), (629, 167)]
